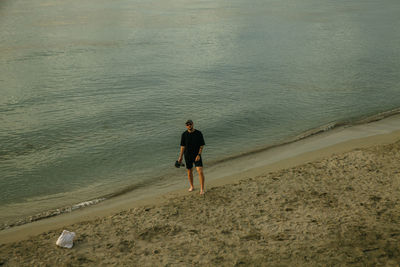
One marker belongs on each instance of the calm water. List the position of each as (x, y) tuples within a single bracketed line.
[(94, 93)]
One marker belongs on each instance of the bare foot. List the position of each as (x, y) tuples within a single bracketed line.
[(202, 192), (191, 189)]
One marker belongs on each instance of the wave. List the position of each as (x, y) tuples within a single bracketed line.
[(152, 181), (314, 131), (51, 213)]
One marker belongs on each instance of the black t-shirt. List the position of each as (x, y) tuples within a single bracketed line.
[(192, 142)]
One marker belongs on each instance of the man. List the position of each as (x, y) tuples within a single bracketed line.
[(192, 143)]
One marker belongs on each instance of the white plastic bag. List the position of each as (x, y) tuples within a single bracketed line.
[(66, 239)]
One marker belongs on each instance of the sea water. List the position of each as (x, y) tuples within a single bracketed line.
[(94, 94)]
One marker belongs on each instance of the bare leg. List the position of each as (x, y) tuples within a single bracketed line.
[(202, 178), (190, 176)]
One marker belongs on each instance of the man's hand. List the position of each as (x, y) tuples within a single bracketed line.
[(197, 158), (181, 154)]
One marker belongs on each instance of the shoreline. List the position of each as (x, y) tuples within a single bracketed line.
[(318, 130), (336, 205), (309, 134), (314, 147)]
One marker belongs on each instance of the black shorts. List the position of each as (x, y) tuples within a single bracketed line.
[(190, 159)]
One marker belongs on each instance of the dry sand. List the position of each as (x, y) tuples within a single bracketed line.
[(343, 209)]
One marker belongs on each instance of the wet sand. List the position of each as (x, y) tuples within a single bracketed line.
[(336, 205)]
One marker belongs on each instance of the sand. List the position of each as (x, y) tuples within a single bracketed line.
[(339, 207)]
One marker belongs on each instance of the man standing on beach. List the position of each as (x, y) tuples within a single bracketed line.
[(192, 143)]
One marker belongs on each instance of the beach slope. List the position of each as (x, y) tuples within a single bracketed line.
[(343, 209)]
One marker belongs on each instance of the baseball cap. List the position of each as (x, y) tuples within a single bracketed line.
[(189, 122)]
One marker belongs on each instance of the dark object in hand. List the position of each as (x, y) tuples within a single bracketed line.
[(178, 165)]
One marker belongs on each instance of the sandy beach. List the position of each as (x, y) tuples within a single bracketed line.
[(337, 205)]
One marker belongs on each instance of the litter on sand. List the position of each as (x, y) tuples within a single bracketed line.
[(66, 239)]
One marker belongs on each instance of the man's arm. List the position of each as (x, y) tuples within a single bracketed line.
[(181, 154), (200, 150), (199, 154)]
